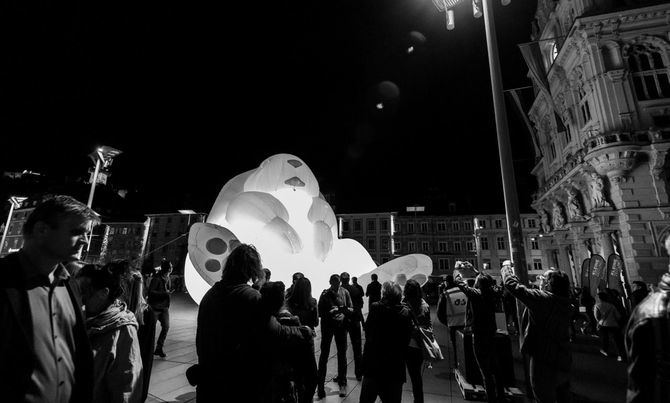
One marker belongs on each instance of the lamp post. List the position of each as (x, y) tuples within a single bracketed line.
[(514, 225), (102, 157), (15, 202)]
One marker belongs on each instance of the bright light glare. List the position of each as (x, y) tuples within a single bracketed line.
[(380, 106), (410, 49)]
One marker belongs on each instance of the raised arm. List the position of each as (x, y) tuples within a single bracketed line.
[(520, 291), (469, 292)]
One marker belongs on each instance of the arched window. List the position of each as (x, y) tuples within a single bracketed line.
[(650, 73)]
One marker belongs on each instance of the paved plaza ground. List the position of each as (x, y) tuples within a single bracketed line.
[(596, 378)]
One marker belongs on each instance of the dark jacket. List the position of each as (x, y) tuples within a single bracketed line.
[(422, 315), (546, 336), (648, 347), (232, 338), (329, 300), (374, 292), (356, 293), (16, 338), (308, 316), (387, 333), (481, 314), (159, 296)]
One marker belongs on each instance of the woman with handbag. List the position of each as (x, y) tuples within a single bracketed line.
[(420, 312)]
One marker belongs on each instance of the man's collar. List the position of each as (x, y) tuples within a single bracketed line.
[(33, 278)]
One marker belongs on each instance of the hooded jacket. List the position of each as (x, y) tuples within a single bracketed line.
[(117, 362), (648, 347)]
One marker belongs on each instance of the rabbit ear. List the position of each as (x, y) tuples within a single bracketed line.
[(209, 245)]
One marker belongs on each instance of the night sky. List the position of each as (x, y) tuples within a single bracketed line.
[(196, 93)]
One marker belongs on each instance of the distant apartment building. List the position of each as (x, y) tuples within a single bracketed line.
[(118, 241), (14, 227), (374, 231), (492, 243), (445, 239), (168, 238)]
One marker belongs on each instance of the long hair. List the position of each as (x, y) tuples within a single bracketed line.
[(558, 283), (243, 264), (301, 297), (413, 294), (132, 284)]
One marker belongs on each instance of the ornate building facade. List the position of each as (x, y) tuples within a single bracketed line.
[(602, 118)]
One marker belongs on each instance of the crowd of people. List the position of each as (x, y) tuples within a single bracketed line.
[(87, 333)]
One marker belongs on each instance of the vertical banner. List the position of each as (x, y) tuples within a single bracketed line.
[(598, 269), (585, 273), (614, 272)]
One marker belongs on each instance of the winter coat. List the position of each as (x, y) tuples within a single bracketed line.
[(606, 314), (329, 300), (546, 333), (482, 312), (648, 348), (117, 361), (423, 319), (232, 335), (388, 329)]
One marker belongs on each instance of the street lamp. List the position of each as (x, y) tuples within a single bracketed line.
[(15, 202), (102, 156), (514, 227)]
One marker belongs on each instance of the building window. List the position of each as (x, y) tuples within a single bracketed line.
[(651, 77), (385, 244), (112, 231), (485, 243), (410, 227), (370, 226), (457, 246), (124, 231), (533, 244), (442, 247), (552, 150), (583, 107), (537, 264), (441, 226), (345, 226), (396, 246), (169, 220), (396, 226), (425, 246), (443, 263), (568, 135), (412, 246), (357, 225), (554, 52), (467, 226), (455, 226), (371, 244), (532, 223), (384, 225), (424, 227), (499, 224), (482, 224), (500, 241), (470, 245)]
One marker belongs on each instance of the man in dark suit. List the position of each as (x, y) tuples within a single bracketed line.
[(45, 355)]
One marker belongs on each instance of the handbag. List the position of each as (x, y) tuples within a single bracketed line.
[(426, 340)]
